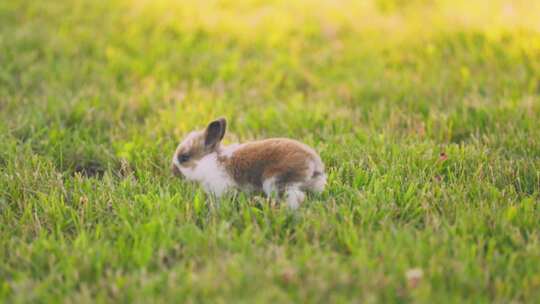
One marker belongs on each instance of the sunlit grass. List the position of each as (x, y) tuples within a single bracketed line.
[(425, 112)]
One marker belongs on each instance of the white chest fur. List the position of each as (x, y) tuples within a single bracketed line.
[(211, 174)]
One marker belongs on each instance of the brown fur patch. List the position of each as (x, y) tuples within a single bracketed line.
[(200, 143), (285, 159), (195, 149)]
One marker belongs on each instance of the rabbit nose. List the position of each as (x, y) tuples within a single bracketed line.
[(175, 171)]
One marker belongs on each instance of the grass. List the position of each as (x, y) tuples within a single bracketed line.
[(425, 112)]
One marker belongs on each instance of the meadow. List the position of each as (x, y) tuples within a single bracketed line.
[(425, 112)]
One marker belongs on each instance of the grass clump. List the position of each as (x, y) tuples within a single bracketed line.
[(425, 113)]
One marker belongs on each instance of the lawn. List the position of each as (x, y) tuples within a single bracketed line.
[(425, 112)]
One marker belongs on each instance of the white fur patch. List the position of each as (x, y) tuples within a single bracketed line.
[(317, 183), (294, 197), (211, 174), (187, 142), (269, 186), (229, 150)]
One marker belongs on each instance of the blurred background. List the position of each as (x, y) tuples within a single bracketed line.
[(91, 83), (425, 112)]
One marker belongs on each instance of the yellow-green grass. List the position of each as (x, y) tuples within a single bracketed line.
[(426, 113)]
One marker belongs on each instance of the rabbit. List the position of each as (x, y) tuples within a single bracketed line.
[(276, 166)]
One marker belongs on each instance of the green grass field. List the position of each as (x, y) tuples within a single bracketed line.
[(426, 113)]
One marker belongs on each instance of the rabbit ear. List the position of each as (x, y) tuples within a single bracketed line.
[(215, 132)]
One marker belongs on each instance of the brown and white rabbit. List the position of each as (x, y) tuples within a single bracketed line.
[(279, 166)]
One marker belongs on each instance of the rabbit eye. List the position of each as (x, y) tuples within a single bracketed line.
[(182, 158)]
